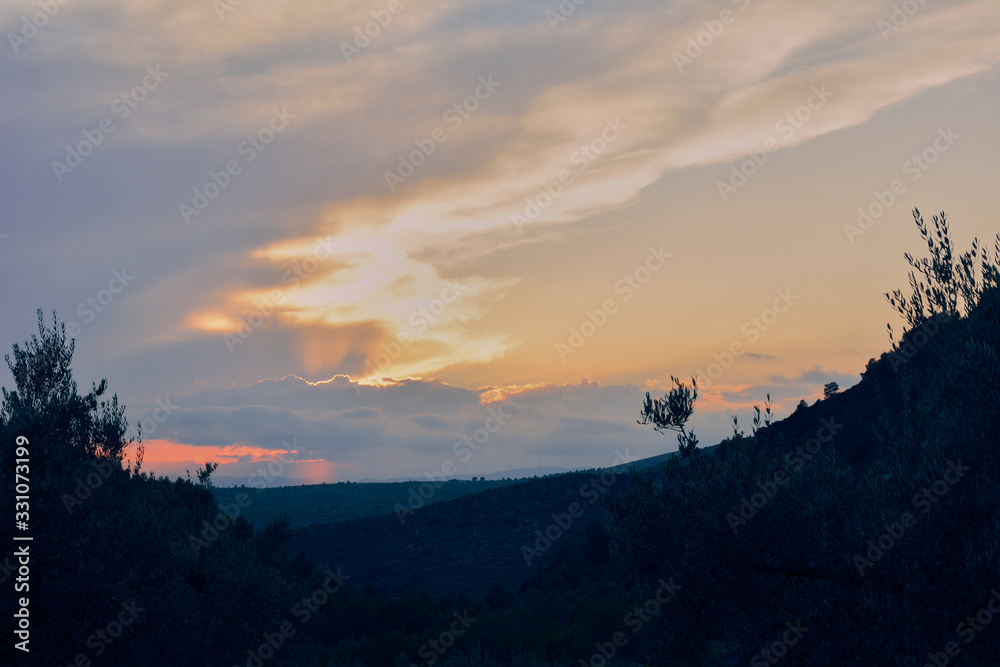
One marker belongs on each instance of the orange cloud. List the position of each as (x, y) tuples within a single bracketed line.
[(503, 392), (167, 452), (318, 472)]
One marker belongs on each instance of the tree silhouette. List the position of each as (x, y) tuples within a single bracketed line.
[(45, 403), (104, 535), (671, 413), (800, 535), (204, 475), (939, 284)]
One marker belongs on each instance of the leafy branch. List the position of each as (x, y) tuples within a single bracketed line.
[(671, 413)]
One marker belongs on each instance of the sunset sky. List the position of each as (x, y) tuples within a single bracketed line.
[(277, 234)]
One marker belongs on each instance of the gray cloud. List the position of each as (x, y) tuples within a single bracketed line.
[(407, 427)]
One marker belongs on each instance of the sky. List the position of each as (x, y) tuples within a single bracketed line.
[(367, 240)]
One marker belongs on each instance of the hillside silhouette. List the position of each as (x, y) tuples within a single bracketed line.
[(859, 530)]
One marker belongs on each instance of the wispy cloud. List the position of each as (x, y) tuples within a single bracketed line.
[(449, 215), (438, 273)]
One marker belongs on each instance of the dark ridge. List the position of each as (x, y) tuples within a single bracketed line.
[(462, 545)]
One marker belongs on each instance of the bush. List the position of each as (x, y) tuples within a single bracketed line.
[(110, 540), (848, 551)]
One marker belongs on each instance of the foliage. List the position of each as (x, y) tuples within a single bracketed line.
[(204, 475), (106, 536), (770, 536), (671, 413), (939, 284), (46, 407), (769, 528)]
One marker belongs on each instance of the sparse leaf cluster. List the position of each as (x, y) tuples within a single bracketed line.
[(917, 512), (671, 413), (938, 283)]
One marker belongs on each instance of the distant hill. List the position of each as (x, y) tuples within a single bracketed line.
[(228, 482), (343, 501), (518, 473), (461, 546), (306, 503)]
